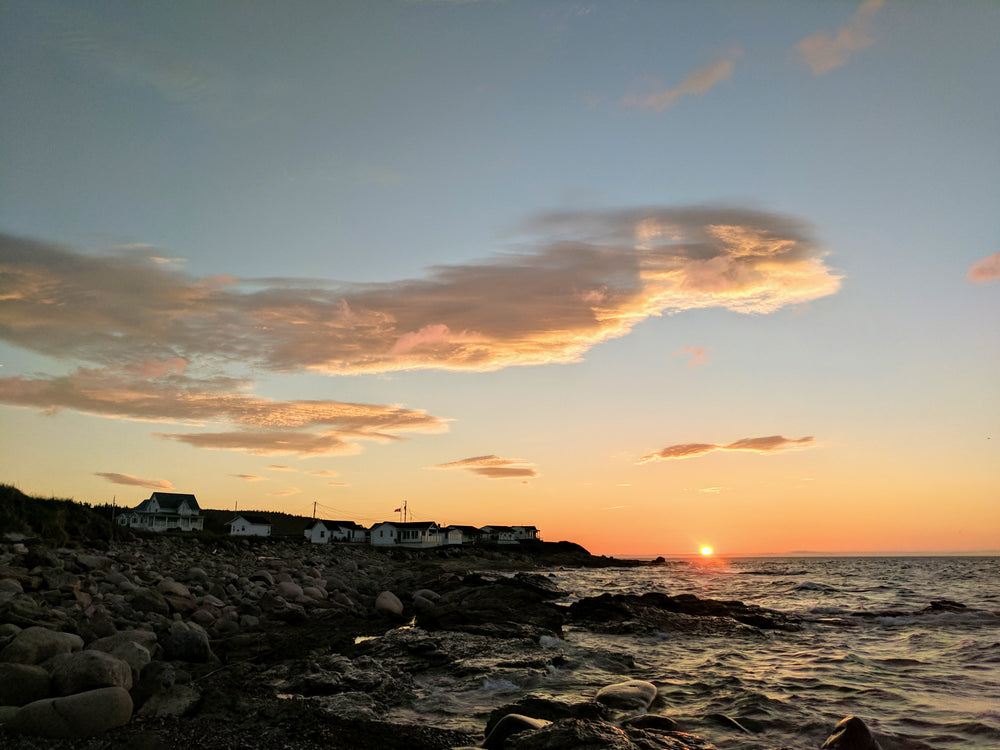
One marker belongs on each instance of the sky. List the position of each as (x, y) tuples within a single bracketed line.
[(647, 275)]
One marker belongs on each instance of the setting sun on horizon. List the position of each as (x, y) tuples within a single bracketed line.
[(636, 274)]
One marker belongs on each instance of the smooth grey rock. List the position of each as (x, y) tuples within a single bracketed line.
[(22, 683), (389, 603), (631, 694), (289, 590), (145, 638), (88, 670), (169, 587), (851, 734), (74, 716), (37, 644)]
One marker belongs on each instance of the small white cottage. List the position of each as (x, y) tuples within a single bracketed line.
[(244, 525), (165, 511)]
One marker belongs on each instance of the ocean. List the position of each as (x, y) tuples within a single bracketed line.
[(920, 678)]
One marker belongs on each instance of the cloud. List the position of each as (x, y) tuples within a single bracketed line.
[(768, 444), (322, 473), (281, 467), (152, 343), (826, 51), (131, 481), (699, 356), (337, 484), (265, 427), (249, 477), (987, 269), (493, 467), (286, 493), (699, 81)]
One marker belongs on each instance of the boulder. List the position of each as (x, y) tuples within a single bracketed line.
[(88, 670), (22, 683), (289, 590), (550, 710), (632, 694), (388, 603), (169, 587), (510, 725), (851, 734), (187, 642), (37, 644), (150, 600), (74, 716)]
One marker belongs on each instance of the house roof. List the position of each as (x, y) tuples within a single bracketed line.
[(498, 528), (465, 529), (255, 520), (169, 501), (335, 524), (408, 524)]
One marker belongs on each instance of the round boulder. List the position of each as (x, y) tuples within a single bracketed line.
[(74, 716), (632, 694), (22, 683), (88, 670), (37, 644), (389, 603), (851, 734)]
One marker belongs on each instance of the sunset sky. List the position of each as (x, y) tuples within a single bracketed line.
[(648, 275)]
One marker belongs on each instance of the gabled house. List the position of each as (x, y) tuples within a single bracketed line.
[(321, 531), (411, 534), (163, 511), (499, 534), (244, 525), (462, 534)]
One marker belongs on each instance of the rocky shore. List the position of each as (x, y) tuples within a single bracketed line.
[(164, 642)]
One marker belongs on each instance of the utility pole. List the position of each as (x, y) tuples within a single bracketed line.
[(314, 510)]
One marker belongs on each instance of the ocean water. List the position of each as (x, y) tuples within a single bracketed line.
[(920, 680)]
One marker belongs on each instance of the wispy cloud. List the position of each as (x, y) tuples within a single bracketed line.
[(493, 467), (286, 493), (250, 477), (826, 51), (132, 481), (987, 269), (322, 473), (699, 81), (698, 355), (768, 444)]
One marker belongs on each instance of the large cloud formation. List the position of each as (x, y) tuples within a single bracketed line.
[(768, 444), (153, 343), (987, 269)]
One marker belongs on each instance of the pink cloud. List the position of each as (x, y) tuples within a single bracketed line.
[(699, 356), (987, 269), (825, 51), (492, 467), (699, 81), (769, 444), (250, 477), (133, 481)]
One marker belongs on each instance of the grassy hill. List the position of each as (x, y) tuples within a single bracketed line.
[(59, 522)]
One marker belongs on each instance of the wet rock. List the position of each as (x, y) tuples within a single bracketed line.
[(37, 644), (22, 683), (851, 734), (632, 694), (88, 670), (510, 725), (684, 612), (504, 609), (549, 709), (74, 716), (650, 723)]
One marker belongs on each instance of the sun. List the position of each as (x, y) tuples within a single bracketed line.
[(706, 551)]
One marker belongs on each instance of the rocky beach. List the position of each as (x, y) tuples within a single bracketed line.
[(164, 641)]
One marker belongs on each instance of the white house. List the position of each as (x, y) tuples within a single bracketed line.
[(163, 511), (244, 525), (412, 534), (499, 534), (320, 531), (462, 534)]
